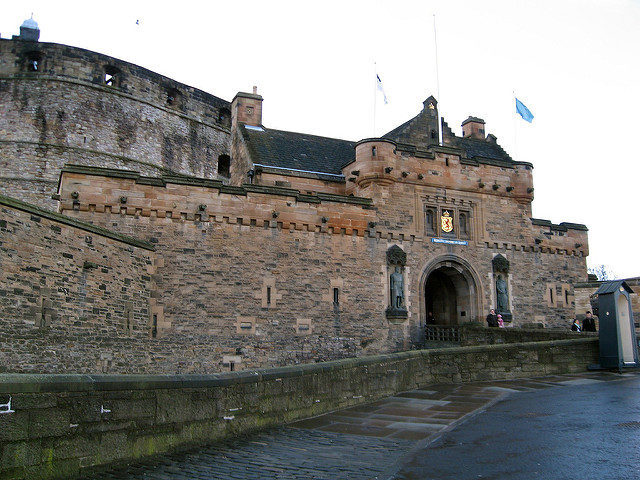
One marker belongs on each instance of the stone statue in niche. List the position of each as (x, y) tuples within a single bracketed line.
[(502, 296), (501, 274), (396, 261), (397, 288)]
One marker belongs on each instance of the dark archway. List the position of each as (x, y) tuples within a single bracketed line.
[(450, 290)]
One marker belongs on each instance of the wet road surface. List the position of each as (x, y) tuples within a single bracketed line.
[(590, 430), (579, 426)]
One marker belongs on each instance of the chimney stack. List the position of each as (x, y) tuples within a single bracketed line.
[(473, 127), (247, 108)]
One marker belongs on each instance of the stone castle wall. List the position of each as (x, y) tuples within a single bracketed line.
[(65, 111), (248, 280), (69, 292)]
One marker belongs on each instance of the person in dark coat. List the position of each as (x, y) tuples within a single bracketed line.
[(431, 320), (576, 326), (589, 323), (492, 318)]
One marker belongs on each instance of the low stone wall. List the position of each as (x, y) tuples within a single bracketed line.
[(63, 425), (478, 335)]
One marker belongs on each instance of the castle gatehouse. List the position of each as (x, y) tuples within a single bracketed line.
[(148, 226)]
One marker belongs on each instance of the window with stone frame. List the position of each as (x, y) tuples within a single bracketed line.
[(463, 224), (430, 226)]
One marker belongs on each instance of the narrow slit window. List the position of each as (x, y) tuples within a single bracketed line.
[(268, 295), (336, 296), (154, 327), (551, 295), (373, 151), (566, 297)]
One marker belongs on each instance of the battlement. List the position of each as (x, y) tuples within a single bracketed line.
[(28, 60), (196, 199), (383, 161)]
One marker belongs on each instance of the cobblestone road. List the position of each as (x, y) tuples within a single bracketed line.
[(366, 442)]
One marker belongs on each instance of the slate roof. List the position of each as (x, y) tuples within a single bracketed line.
[(480, 148), (612, 286), (298, 151)]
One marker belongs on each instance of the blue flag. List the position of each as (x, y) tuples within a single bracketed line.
[(523, 111)]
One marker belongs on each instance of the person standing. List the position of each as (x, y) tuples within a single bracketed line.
[(589, 323), (576, 326), (500, 321), (492, 318)]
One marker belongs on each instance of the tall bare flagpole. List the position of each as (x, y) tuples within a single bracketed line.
[(375, 96), (435, 41)]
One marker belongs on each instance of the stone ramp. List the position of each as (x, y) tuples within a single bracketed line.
[(363, 442)]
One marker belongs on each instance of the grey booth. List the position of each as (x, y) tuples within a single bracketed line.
[(618, 344)]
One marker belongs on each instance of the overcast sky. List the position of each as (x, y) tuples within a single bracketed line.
[(573, 63)]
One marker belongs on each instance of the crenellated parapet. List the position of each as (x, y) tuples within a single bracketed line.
[(189, 199), (382, 161), (200, 200)]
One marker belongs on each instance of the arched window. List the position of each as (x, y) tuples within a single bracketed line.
[(224, 166)]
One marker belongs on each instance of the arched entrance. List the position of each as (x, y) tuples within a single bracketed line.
[(450, 290)]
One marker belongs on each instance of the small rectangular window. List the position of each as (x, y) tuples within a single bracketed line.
[(268, 295), (154, 327), (551, 295), (336, 296)]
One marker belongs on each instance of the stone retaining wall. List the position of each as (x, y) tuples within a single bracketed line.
[(477, 335), (62, 425)]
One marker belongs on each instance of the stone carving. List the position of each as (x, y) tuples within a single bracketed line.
[(501, 274), (500, 264), (502, 295), (396, 256), (396, 260), (397, 289)]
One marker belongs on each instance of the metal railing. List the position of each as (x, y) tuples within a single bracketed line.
[(442, 333)]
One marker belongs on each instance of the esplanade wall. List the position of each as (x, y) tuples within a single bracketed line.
[(64, 104), (63, 425)]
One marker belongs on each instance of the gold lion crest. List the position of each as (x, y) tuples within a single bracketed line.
[(446, 221)]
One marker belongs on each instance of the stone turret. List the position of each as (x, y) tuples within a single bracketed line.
[(29, 31)]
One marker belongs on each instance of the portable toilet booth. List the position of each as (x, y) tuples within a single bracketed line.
[(618, 344)]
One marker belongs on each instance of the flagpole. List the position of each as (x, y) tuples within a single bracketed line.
[(435, 41), (515, 126), (375, 96)]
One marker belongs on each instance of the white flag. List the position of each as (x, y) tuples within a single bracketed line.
[(379, 84)]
